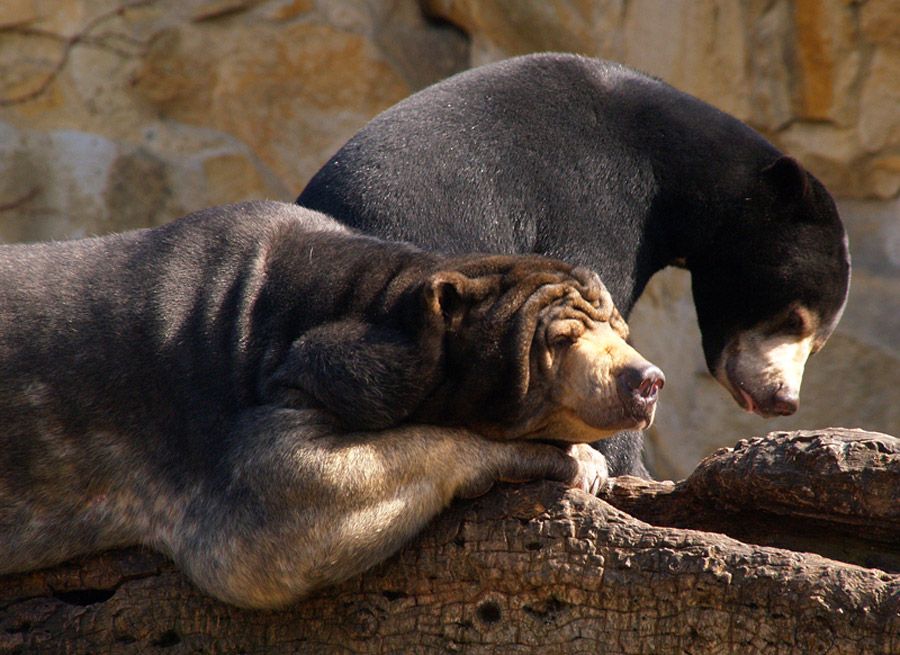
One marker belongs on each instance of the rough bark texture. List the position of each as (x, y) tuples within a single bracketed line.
[(537, 568), (835, 492)]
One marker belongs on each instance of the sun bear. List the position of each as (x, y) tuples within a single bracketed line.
[(599, 165), (278, 402)]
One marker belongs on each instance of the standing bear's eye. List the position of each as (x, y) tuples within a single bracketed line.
[(794, 323)]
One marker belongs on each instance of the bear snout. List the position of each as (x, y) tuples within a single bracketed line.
[(785, 401), (764, 372), (638, 388), (643, 382)]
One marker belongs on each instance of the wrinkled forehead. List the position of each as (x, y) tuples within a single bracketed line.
[(593, 291), (591, 310)]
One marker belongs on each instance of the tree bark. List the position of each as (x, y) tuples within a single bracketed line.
[(538, 568)]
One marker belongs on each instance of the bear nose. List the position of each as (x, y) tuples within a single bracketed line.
[(642, 381), (785, 402)]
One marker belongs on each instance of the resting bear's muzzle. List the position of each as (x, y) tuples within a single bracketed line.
[(638, 388)]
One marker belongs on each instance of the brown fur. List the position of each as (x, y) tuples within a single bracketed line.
[(279, 403)]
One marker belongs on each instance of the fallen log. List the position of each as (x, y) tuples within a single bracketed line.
[(835, 492), (538, 568)]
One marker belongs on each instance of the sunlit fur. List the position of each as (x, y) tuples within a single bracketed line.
[(585, 394), (176, 387), (578, 352), (765, 360)]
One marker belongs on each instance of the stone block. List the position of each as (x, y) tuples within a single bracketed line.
[(879, 120), (880, 22), (293, 102), (17, 12)]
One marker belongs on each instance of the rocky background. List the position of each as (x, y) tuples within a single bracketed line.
[(116, 115)]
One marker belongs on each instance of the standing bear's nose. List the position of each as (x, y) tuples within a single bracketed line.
[(785, 402)]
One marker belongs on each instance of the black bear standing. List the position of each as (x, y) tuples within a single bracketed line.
[(606, 167)]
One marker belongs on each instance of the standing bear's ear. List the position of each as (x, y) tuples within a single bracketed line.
[(788, 177)]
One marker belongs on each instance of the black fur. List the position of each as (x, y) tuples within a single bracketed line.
[(605, 167)]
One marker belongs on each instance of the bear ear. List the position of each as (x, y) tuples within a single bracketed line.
[(444, 294), (788, 177)]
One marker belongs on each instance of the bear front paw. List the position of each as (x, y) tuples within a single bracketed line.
[(592, 470)]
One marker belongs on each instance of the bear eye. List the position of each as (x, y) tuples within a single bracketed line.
[(561, 338), (794, 323), (564, 333)]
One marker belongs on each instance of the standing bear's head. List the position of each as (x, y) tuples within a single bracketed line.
[(771, 286)]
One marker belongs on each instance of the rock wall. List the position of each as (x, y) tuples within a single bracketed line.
[(118, 114)]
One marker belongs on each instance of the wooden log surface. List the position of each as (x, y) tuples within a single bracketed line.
[(537, 568), (835, 492)]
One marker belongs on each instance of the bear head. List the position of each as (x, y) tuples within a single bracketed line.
[(533, 348), (771, 287)]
